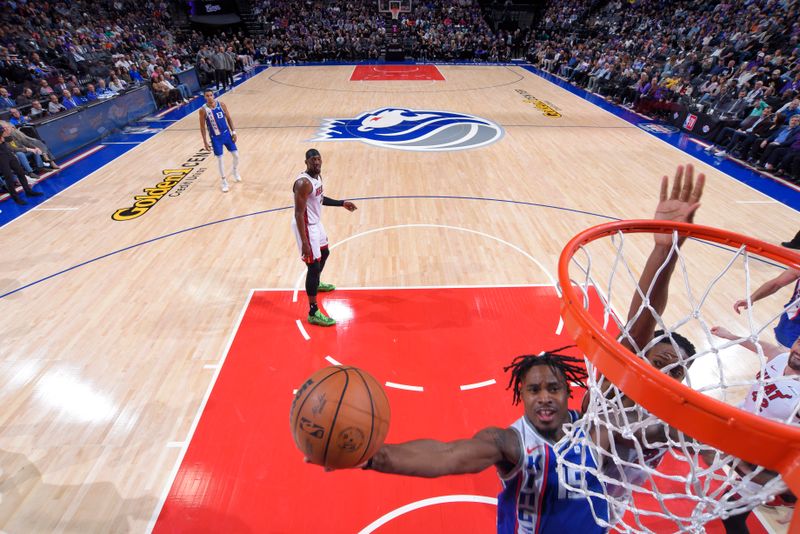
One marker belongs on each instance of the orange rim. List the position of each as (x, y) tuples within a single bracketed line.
[(771, 444)]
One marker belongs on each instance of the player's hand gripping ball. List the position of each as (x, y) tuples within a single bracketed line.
[(340, 417)]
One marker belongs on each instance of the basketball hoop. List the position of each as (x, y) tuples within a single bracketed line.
[(711, 422), (394, 9)]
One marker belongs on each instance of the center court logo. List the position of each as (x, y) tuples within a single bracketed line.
[(413, 129)]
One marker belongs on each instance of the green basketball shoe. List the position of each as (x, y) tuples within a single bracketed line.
[(321, 319), (324, 288)]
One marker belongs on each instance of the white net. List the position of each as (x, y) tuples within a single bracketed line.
[(656, 479)]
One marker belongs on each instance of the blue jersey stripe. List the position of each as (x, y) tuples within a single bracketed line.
[(507, 506), (541, 508)]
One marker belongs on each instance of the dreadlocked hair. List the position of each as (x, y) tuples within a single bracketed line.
[(570, 368)]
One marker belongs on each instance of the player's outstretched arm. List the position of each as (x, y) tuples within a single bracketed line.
[(678, 204), (430, 458), (770, 350), (742, 468), (768, 288)]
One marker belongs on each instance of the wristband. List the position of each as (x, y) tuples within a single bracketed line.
[(331, 202)]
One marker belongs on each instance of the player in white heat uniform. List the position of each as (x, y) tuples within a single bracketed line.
[(775, 395), (310, 234)]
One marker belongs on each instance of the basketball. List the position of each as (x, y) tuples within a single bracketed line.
[(340, 417)]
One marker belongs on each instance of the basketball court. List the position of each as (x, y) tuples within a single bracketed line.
[(153, 335)]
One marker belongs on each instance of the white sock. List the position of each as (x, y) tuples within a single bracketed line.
[(220, 167), (235, 155)]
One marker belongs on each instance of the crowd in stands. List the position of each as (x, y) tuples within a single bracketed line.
[(737, 61), (434, 30), (56, 57), (67, 54)]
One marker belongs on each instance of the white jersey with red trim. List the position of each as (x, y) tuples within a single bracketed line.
[(780, 393), (314, 200)]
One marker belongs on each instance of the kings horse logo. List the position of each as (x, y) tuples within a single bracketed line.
[(413, 129)]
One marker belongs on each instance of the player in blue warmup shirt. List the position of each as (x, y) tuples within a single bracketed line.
[(215, 118), (533, 499)]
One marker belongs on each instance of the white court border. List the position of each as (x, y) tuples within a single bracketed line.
[(433, 501), (200, 409)]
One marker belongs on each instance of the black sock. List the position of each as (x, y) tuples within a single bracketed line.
[(312, 309)]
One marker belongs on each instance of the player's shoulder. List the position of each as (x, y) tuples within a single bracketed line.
[(305, 176), (518, 425), (779, 361), (303, 180), (526, 432)]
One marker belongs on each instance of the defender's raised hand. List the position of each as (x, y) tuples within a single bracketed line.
[(682, 201)]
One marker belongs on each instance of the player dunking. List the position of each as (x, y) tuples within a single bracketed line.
[(533, 499), (215, 116), (309, 232)]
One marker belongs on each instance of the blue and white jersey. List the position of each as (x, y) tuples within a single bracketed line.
[(534, 501), (216, 121), (788, 329)]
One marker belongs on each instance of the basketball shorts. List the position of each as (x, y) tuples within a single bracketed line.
[(217, 142), (316, 237), (787, 331)]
